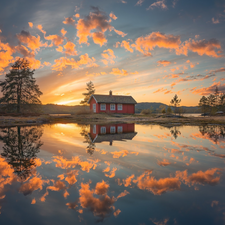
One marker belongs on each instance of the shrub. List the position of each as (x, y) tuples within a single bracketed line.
[(146, 111)]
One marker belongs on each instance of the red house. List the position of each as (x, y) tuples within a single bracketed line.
[(112, 104), (111, 132)]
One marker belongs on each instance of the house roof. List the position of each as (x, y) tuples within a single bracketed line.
[(119, 99), (113, 137)]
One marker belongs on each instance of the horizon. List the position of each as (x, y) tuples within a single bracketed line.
[(139, 48)]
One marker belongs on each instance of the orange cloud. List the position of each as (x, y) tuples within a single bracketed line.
[(101, 188), (157, 187), (32, 42), (101, 207), (6, 57), (108, 56), (208, 90), (145, 44), (63, 62), (164, 62), (126, 45), (99, 38), (112, 173), (128, 180), (71, 177), (30, 24), (70, 48), (120, 153), (96, 20), (121, 33), (116, 71), (7, 176), (69, 20), (33, 184), (122, 194), (112, 15), (204, 47), (75, 161), (200, 177), (165, 162), (159, 4)]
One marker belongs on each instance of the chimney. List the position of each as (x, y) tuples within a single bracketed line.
[(110, 92)]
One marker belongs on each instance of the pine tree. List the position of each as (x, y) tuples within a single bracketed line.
[(90, 91), (175, 102), (203, 103), (20, 88)]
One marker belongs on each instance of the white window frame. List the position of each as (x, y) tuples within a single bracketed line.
[(94, 107), (120, 107), (112, 129), (112, 107), (103, 106), (94, 129), (103, 130), (119, 129)]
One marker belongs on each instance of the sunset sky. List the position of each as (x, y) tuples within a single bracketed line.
[(150, 49)]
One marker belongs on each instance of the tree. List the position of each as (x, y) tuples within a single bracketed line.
[(212, 103), (169, 110), (203, 104), (90, 91), (175, 102), (20, 88), (163, 111), (21, 145)]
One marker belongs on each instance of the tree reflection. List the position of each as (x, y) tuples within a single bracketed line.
[(21, 145), (213, 132), (175, 132), (91, 146)]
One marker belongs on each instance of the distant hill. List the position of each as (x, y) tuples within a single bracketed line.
[(157, 107), (61, 109)]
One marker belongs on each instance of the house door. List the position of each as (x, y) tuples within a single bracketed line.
[(94, 108)]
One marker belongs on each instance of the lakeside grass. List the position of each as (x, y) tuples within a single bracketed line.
[(105, 118)]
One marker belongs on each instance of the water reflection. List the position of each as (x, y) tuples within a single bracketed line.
[(91, 146), (213, 133), (112, 132), (21, 145), (175, 132), (148, 175)]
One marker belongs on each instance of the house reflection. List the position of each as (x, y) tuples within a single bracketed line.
[(21, 145), (112, 132)]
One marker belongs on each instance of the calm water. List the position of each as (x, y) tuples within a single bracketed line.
[(117, 174)]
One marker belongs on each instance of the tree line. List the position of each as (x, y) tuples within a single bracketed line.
[(213, 103)]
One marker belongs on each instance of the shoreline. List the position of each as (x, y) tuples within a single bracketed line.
[(6, 121)]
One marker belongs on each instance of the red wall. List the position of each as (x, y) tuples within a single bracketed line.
[(127, 108)]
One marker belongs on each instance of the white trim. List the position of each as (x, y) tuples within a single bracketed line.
[(94, 99), (121, 129), (94, 108), (114, 131), (113, 104), (94, 129), (119, 108), (102, 104), (101, 130), (95, 138)]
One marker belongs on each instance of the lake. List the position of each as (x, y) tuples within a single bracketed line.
[(112, 174)]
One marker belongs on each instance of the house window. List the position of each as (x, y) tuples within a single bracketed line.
[(94, 107), (103, 106), (103, 130), (94, 129), (112, 107), (119, 129), (112, 130), (120, 107)]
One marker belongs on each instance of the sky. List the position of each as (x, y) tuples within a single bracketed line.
[(149, 49)]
